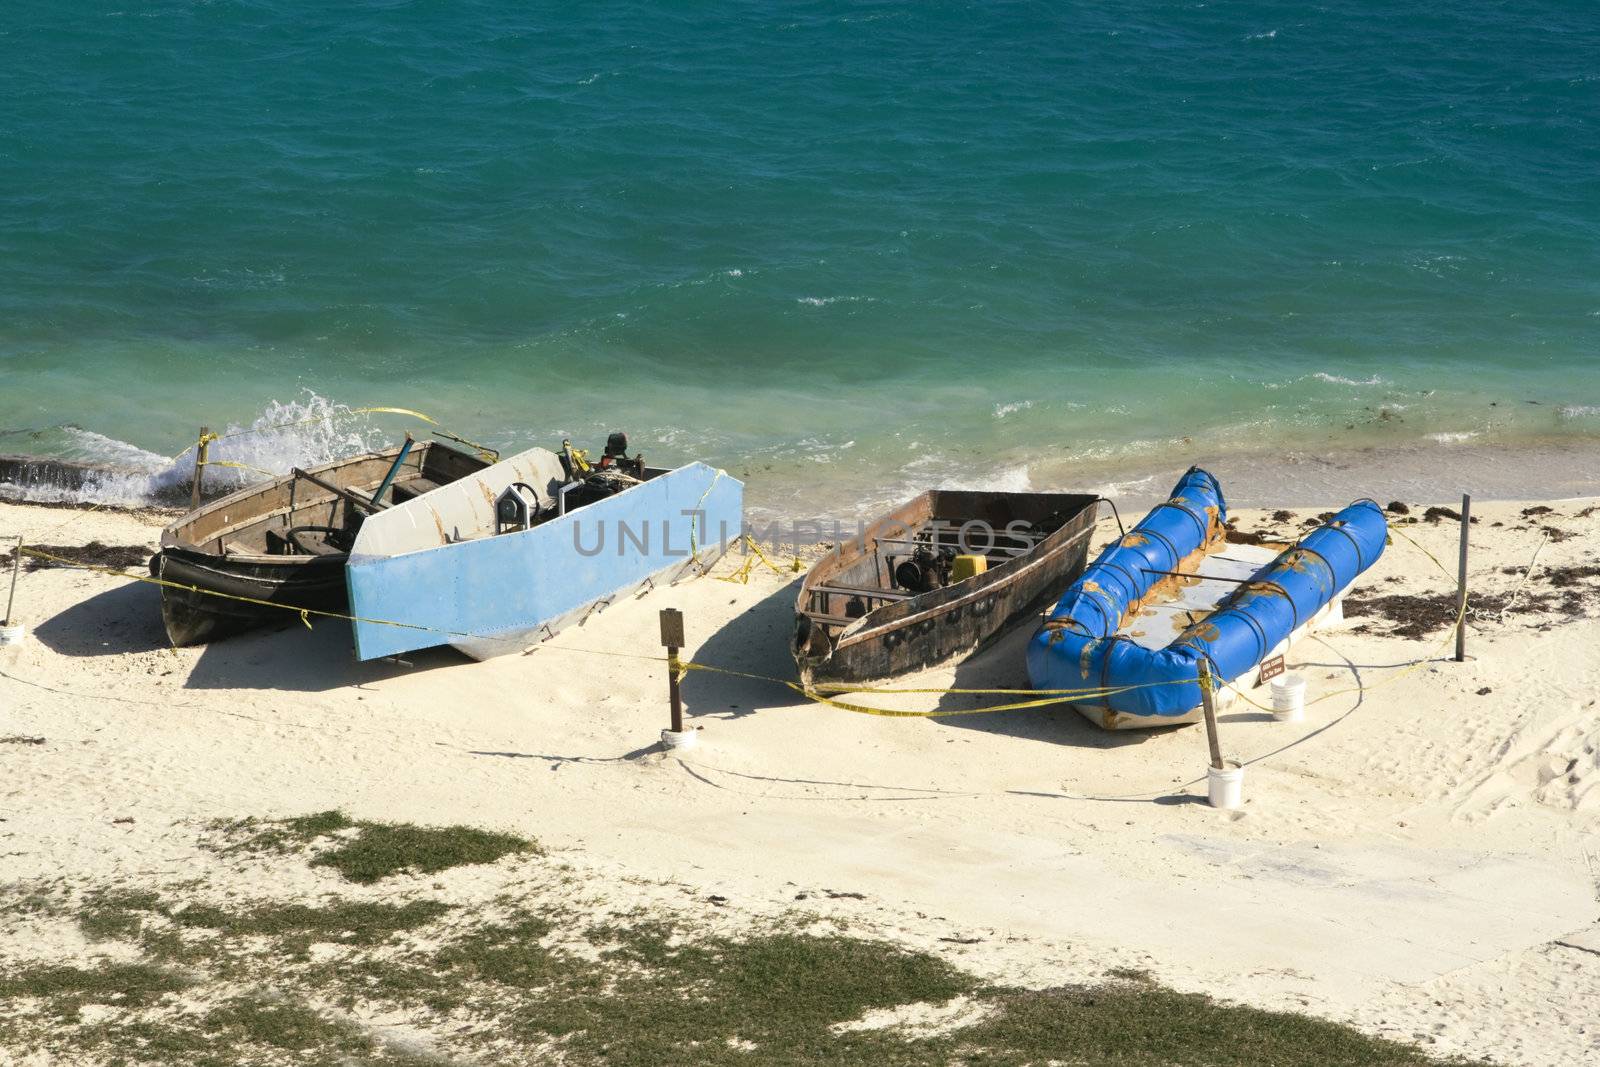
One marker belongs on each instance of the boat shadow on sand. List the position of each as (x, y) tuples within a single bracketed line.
[(122, 620), (1002, 665), (126, 620), (291, 657), (756, 641)]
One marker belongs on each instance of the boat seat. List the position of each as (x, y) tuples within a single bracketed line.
[(862, 591), (316, 547), (412, 488), (830, 620)]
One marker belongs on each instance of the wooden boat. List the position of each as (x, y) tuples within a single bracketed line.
[(509, 555), (894, 600), (287, 541)]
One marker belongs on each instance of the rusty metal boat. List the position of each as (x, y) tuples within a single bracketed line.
[(286, 542), (935, 579)]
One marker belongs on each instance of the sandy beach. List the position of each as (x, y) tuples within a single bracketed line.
[(1419, 857)]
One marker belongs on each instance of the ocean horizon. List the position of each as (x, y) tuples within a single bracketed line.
[(847, 251)]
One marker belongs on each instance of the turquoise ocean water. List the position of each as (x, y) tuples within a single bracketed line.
[(848, 248)]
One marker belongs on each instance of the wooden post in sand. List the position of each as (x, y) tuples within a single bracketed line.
[(672, 637), (1210, 710), (201, 450), (16, 569), (1461, 581)]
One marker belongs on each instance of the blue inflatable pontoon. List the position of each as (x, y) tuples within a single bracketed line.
[(1174, 573)]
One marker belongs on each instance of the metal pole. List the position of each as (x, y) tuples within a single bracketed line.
[(202, 448), (16, 569), (1461, 582), (672, 637), (1211, 715), (672, 690)]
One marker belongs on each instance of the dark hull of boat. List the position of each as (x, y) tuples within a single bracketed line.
[(952, 622), (227, 547), (194, 616)]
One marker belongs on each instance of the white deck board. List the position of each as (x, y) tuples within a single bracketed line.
[(1159, 623)]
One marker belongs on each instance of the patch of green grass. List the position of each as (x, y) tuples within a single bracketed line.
[(393, 981), (246, 1030), (376, 850), (17, 898), (350, 922), (168, 945), (65, 989), (783, 992), (383, 849), (653, 997), (508, 954), (1151, 1026), (650, 992), (116, 914), (145, 1042), (277, 835), (1130, 974), (285, 1025)]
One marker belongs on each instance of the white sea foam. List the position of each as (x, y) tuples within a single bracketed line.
[(295, 433), (1269, 35), (824, 301), (1336, 379), (1002, 410), (1579, 411), (1450, 437), (1136, 487)]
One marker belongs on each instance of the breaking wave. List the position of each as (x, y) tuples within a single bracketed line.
[(95, 469)]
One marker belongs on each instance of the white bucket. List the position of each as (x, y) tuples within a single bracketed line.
[(13, 635), (1289, 697), (1225, 788), (679, 738)]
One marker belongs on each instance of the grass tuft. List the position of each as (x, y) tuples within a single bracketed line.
[(285, 1025), (376, 850), (1150, 1026), (66, 988), (352, 922), (384, 849), (116, 914)]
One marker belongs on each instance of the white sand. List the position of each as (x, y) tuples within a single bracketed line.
[(1420, 860)]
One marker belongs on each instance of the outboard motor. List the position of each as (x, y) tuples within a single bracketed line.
[(925, 570)]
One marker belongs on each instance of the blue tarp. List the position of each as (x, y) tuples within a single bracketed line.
[(1078, 647)]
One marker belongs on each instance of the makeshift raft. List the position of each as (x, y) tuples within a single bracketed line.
[(444, 569), (1172, 593)]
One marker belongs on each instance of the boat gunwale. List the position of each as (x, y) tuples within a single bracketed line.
[(172, 538), (651, 473)]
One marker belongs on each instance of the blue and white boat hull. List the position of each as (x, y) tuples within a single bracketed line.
[(432, 571)]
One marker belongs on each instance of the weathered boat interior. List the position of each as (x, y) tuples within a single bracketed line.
[(317, 512), (913, 550)]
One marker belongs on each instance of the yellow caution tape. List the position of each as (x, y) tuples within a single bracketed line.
[(231, 463), (752, 554), (818, 694), (1043, 697)]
